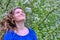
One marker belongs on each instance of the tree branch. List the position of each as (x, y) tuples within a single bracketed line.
[(1, 4), (8, 3), (50, 13), (58, 6)]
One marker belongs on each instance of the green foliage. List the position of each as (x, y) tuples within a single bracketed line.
[(42, 15)]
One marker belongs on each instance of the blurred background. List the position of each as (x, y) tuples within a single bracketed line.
[(43, 16)]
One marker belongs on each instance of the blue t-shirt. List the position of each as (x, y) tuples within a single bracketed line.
[(11, 35)]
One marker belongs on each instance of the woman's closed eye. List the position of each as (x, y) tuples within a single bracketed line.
[(17, 12)]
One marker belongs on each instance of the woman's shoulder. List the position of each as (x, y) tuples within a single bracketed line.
[(31, 30), (33, 33), (8, 34)]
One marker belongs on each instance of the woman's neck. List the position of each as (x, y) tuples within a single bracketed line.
[(20, 25), (21, 29)]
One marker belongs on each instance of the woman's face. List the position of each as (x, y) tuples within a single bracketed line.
[(19, 15)]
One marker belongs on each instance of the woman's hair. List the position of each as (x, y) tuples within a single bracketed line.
[(7, 23)]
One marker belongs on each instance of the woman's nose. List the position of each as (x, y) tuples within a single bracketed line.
[(22, 14)]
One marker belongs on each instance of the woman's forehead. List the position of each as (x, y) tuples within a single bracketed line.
[(18, 10)]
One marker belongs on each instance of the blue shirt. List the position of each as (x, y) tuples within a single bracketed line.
[(11, 35)]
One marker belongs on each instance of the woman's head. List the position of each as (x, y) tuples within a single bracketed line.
[(18, 14), (14, 15)]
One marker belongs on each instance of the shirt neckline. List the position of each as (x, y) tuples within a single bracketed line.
[(21, 35)]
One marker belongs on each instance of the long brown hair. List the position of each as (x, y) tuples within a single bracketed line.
[(7, 23)]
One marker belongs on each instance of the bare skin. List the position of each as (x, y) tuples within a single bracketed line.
[(20, 17)]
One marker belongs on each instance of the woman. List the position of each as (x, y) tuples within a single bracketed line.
[(14, 27)]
